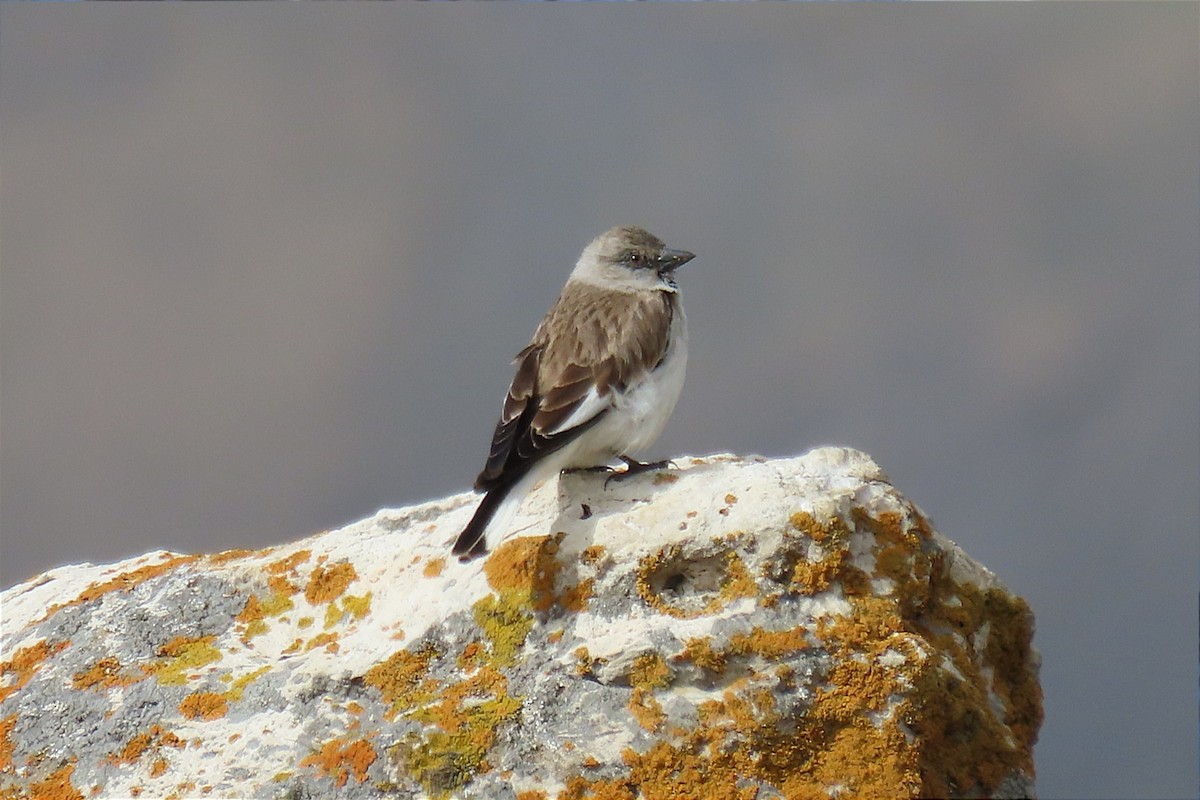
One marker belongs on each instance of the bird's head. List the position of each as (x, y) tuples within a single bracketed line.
[(629, 258)]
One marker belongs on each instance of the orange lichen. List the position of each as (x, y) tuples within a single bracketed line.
[(290, 563), (204, 706), (328, 583), (434, 567), (575, 598), (647, 710), (25, 663), (121, 583), (103, 675), (326, 640), (57, 786), (401, 679), (649, 672), (341, 760), (593, 555), (526, 568), (771, 645), (700, 651), (158, 767), (155, 739), (225, 556), (738, 581), (6, 744), (882, 686), (278, 572)]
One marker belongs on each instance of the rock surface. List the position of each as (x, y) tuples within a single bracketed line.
[(733, 628)]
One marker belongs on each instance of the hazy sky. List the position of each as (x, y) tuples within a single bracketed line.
[(263, 267)]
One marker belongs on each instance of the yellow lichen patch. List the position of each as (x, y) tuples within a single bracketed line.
[(328, 583), (57, 786), (24, 664), (434, 567), (238, 685), (664, 477), (650, 671), (465, 720), (180, 656), (356, 607), (103, 675), (505, 622), (253, 614), (342, 759), (402, 679), (525, 569), (204, 706), (121, 583)]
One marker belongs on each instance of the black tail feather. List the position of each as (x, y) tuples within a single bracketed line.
[(471, 543)]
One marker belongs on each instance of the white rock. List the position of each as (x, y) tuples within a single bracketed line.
[(734, 627)]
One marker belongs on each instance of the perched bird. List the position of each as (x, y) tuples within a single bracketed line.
[(598, 381)]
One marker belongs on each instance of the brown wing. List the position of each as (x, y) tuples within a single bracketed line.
[(590, 343)]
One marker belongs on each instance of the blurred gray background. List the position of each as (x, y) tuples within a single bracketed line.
[(264, 268)]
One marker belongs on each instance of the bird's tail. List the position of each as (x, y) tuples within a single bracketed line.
[(495, 512)]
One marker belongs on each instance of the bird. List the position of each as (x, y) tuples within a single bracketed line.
[(598, 380)]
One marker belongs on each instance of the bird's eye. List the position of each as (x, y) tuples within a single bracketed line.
[(635, 258)]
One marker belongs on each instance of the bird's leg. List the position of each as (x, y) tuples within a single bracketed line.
[(635, 467), (597, 468)]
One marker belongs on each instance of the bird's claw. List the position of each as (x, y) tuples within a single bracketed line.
[(635, 467)]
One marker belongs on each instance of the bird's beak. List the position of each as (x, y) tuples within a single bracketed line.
[(670, 260)]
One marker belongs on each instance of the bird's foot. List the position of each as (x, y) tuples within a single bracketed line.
[(597, 468), (635, 467)]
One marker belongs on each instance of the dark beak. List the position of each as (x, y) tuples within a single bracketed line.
[(670, 260)]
